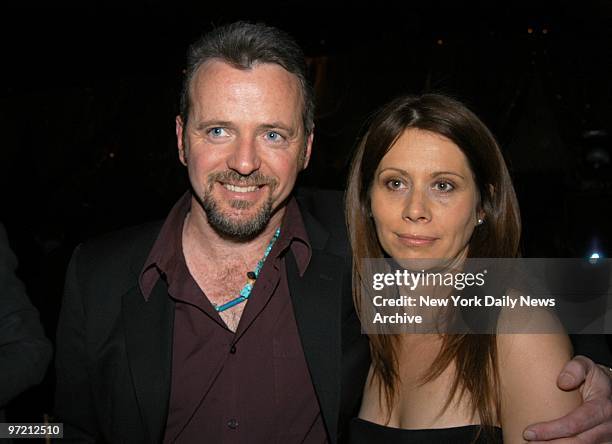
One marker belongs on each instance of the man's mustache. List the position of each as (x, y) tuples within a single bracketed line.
[(232, 177)]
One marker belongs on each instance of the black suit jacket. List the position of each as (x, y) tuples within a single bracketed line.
[(25, 352), (114, 349)]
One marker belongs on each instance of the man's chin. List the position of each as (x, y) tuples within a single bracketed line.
[(241, 211), (238, 207), (238, 223)]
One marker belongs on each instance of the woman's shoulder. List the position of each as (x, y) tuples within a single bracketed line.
[(519, 354), (529, 365)]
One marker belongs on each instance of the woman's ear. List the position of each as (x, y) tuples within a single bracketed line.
[(480, 213)]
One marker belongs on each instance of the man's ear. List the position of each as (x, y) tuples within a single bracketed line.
[(307, 151), (182, 149)]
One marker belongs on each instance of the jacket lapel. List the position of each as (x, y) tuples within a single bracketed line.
[(316, 298), (148, 331)]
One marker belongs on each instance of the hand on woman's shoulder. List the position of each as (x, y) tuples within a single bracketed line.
[(529, 365)]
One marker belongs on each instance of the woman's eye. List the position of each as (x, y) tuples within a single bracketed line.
[(395, 184), (444, 187), (217, 132)]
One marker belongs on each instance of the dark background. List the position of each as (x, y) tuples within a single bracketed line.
[(88, 95)]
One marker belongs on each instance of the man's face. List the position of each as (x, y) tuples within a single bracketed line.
[(243, 145)]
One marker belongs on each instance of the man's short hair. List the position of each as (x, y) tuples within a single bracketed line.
[(243, 45)]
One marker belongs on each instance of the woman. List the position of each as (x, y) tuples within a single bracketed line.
[(429, 181)]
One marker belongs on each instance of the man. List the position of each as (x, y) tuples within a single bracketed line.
[(156, 340), (25, 352)]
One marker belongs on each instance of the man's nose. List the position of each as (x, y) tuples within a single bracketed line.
[(244, 158), (416, 207)]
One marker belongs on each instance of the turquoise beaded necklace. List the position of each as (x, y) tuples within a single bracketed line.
[(252, 275)]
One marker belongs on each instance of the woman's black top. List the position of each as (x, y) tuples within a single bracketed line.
[(366, 432)]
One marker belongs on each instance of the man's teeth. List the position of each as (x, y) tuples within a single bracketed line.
[(240, 189)]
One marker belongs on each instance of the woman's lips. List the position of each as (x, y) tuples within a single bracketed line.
[(412, 240)]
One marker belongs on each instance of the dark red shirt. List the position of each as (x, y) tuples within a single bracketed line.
[(251, 386)]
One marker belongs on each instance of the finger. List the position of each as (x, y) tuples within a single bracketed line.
[(590, 414), (573, 440), (598, 384), (574, 373), (599, 434)]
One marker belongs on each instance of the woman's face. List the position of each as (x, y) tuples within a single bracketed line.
[(425, 203)]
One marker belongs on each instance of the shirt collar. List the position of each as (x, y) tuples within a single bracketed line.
[(293, 235), (167, 250)]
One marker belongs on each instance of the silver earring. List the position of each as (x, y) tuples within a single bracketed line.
[(480, 222)]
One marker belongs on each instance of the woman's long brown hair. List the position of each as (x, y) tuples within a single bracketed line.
[(474, 355)]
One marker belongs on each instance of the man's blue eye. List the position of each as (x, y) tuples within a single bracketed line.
[(216, 132), (273, 135)]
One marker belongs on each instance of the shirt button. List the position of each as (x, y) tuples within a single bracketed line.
[(233, 349), (232, 424)]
